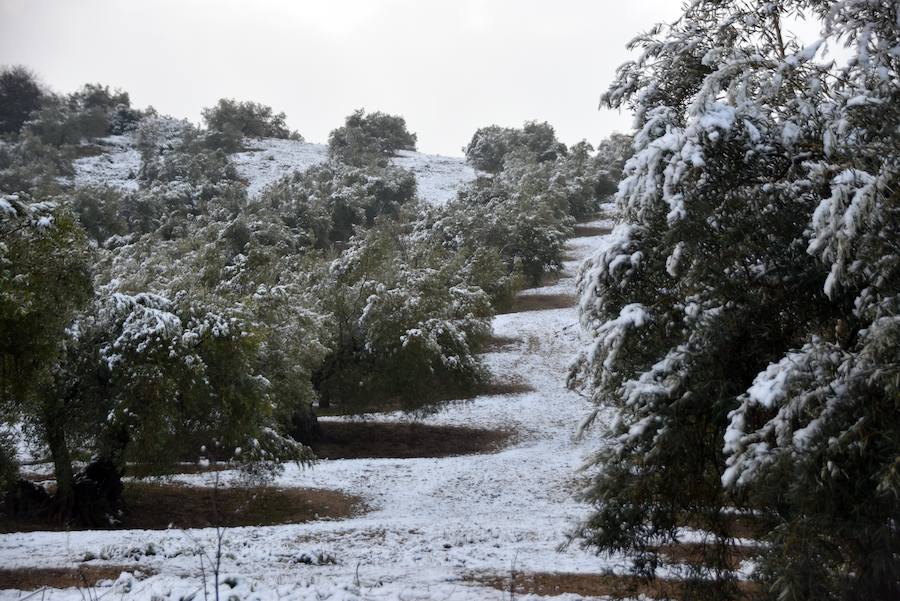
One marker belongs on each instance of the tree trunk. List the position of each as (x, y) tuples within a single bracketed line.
[(304, 424), (54, 426)]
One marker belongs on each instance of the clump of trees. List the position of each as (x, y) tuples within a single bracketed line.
[(230, 121), (326, 203), (20, 96), (489, 146), (745, 313), (89, 113), (44, 132), (371, 138)]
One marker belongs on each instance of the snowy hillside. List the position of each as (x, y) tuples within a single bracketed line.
[(268, 159)]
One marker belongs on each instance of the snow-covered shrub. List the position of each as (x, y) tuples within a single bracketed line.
[(229, 121), (30, 165), (243, 254), (519, 213), (369, 138), (324, 204), (188, 161), (180, 181), (171, 378), (100, 211), (488, 146)]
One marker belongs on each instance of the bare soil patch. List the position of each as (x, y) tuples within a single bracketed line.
[(692, 553), (742, 525), (83, 576), (585, 231), (588, 585), (541, 302), (149, 470), (157, 506), (496, 344), (154, 506), (492, 388), (371, 439)]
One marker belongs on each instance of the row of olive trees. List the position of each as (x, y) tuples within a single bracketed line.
[(199, 318)]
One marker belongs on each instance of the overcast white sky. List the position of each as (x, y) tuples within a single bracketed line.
[(448, 66)]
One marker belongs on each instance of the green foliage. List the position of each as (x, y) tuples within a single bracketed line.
[(521, 214), (179, 378), (44, 280), (369, 139), (20, 97)]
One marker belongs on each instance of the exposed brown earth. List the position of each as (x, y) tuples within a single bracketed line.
[(83, 576), (371, 439), (588, 585), (585, 231), (541, 302), (157, 506)]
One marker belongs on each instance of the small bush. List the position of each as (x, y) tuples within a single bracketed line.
[(489, 146), (99, 211)]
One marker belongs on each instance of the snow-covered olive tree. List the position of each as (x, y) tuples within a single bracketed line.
[(745, 310), (230, 121), (369, 138), (44, 282), (407, 325)]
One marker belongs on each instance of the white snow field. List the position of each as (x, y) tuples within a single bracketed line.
[(431, 522), (269, 159)]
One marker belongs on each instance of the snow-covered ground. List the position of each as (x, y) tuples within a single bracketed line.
[(268, 159), (118, 165), (431, 521)]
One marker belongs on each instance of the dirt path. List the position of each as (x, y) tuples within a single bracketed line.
[(431, 520)]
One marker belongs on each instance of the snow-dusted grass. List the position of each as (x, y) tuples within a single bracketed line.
[(118, 165), (431, 520), (267, 160)]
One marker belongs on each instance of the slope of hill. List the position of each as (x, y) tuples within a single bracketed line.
[(116, 161)]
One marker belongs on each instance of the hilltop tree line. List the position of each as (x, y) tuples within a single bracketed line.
[(185, 319), (746, 312)]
